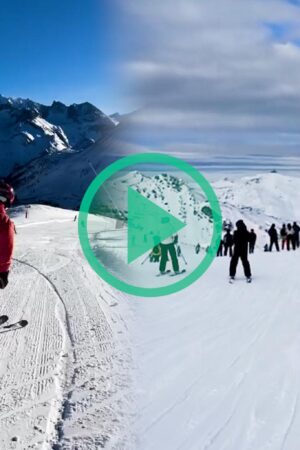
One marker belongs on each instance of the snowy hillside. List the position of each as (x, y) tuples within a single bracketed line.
[(270, 195), (170, 193), (260, 200), (63, 179), (29, 130)]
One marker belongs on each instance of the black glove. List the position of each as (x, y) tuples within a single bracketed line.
[(3, 279)]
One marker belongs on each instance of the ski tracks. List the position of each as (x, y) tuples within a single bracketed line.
[(29, 371), (235, 385), (65, 379)]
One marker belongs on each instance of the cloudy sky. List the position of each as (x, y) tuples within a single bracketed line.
[(218, 79)]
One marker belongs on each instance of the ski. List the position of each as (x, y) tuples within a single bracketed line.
[(16, 325), (248, 280), (161, 274), (178, 273), (3, 319)]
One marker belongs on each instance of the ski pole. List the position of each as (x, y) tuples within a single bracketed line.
[(148, 256), (183, 258), (180, 254)]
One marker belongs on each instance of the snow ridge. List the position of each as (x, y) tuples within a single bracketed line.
[(29, 129)]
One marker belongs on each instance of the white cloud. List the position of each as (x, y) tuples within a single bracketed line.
[(215, 65)]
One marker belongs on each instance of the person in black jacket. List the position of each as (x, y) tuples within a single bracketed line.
[(291, 243), (252, 240), (273, 237), (220, 249), (283, 235), (228, 243), (241, 242), (296, 229)]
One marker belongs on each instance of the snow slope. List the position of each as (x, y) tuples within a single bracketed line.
[(65, 379), (269, 197), (218, 364), (167, 191)]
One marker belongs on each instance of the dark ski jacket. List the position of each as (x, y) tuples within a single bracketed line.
[(283, 232), (228, 239), (6, 240), (273, 233), (241, 239), (296, 228)]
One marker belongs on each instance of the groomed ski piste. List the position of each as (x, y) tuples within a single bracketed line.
[(65, 380), (215, 366), (219, 363)]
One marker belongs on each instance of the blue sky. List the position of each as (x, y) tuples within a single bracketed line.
[(67, 50)]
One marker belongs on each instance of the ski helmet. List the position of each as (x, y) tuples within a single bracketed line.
[(7, 194)]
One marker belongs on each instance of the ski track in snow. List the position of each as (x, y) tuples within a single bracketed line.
[(65, 378), (218, 364)]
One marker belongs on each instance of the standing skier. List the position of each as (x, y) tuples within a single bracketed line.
[(228, 243), (273, 237), (252, 241), (220, 249), (291, 243), (7, 231), (168, 247), (241, 242), (296, 229), (283, 235)]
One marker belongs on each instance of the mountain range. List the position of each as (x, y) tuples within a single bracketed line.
[(51, 153)]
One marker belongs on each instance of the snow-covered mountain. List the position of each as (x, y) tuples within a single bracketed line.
[(30, 130), (167, 191), (62, 178), (260, 199)]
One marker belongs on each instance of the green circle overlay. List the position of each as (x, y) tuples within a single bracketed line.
[(157, 158)]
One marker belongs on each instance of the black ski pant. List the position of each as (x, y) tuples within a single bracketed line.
[(234, 262), (251, 247), (226, 248), (274, 242), (3, 279), (291, 243), (165, 250)]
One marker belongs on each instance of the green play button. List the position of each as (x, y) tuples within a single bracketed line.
[(148, 225), (120, 221)]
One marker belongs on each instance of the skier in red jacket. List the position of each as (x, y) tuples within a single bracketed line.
[(7, 196)]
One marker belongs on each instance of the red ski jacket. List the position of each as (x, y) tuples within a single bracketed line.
[(6, 240)]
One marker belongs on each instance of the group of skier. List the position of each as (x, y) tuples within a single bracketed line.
[(227, 243), (236, 245), (289, 235)]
